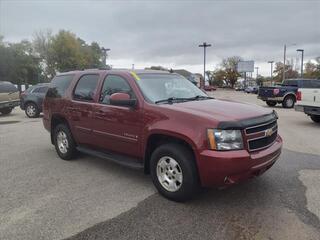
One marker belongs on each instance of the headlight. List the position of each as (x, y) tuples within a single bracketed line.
[(224, 140)]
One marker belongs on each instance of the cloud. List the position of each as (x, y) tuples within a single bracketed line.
[(169, 32)]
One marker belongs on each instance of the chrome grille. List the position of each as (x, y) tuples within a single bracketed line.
[(261, 136)]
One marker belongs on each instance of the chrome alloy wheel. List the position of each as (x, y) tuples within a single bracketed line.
[(62, 142), (31, 110), (290, 102), (169, 174)]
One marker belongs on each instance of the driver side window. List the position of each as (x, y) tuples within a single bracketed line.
[(114, 84)]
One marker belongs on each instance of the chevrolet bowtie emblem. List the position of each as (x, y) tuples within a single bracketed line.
[(269, 132)]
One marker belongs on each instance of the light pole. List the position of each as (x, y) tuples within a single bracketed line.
[(257, 69), (204, 45), (302, 52), (271, 63), (105, 54)]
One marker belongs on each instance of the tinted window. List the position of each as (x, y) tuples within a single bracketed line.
[(114, 84), (290, 83), (86, 87), (40, 90), (316, 83), (6, 87), (59, 85)]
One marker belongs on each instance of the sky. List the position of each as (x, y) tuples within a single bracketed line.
[(168, 33)]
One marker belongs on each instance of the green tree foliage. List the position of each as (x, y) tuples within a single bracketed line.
[(312, 70), (289, 72), (37, 61), (71, 53), (18, 64), (229, 65)]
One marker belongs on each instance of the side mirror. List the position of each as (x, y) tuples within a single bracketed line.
[(122, 99)]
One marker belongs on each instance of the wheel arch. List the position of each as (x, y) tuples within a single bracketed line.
[(156, 139), (57, 119), (290, 94)]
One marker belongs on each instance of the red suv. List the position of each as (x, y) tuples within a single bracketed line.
[(161, 123)]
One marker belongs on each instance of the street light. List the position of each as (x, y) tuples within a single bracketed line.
[(257, 68), (302, 51), (271, 62), (204, 45), (105, 54)]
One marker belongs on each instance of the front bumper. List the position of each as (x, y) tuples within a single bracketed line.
[(10, 104), (225, 168), (309, 110)]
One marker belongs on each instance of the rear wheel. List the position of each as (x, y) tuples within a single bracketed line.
[(64, 143), (32, 110), (315, 118), (271, 103), (6, 111), (174, 172), (288, 101)]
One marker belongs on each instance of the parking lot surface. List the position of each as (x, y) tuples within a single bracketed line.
[(43, 197)]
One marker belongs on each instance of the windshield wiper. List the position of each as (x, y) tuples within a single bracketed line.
[(172, 99)]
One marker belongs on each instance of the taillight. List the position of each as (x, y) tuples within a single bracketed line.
[(299, 96), (276, 91)]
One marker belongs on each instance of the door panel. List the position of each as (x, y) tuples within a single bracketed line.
[(118, 129)]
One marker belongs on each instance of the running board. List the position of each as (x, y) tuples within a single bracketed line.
[(123, 160)]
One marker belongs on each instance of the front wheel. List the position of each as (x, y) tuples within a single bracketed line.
[(174, 172), (64, 143), (315, 118), (271, 103)]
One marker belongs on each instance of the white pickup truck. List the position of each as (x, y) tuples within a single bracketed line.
[(308, 100)]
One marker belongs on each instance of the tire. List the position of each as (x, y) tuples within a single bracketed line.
[(315, 118), (176, 162), (64, 143), (6, 111), (32, 110), (289, 102), (271, 103)]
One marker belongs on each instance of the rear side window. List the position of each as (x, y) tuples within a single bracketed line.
[(42, 89), (86, 87), (6, 87), (59, 85), (293, 83), (316, 83), (311, 84)]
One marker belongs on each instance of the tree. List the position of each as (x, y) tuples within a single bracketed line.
[(219, 77), (289, 72), (18, 64), (312, 70), (65, 52), (229, 65)]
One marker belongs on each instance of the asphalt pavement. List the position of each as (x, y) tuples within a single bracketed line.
[(43, 197)]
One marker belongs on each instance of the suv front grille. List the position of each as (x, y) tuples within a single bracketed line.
[(261, 136)]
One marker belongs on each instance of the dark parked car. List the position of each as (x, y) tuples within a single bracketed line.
[(31, 100), (163, 124), (9, 97), (284, 93)]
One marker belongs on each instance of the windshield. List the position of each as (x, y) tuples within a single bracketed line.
[(157, 87)]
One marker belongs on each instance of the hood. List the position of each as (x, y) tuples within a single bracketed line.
[(220, 110)]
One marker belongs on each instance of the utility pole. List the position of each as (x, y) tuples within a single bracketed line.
[(132, 66), (204, 45), (105, 55), (257, 68), (271, 63), (302, 52), (284, 62)]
